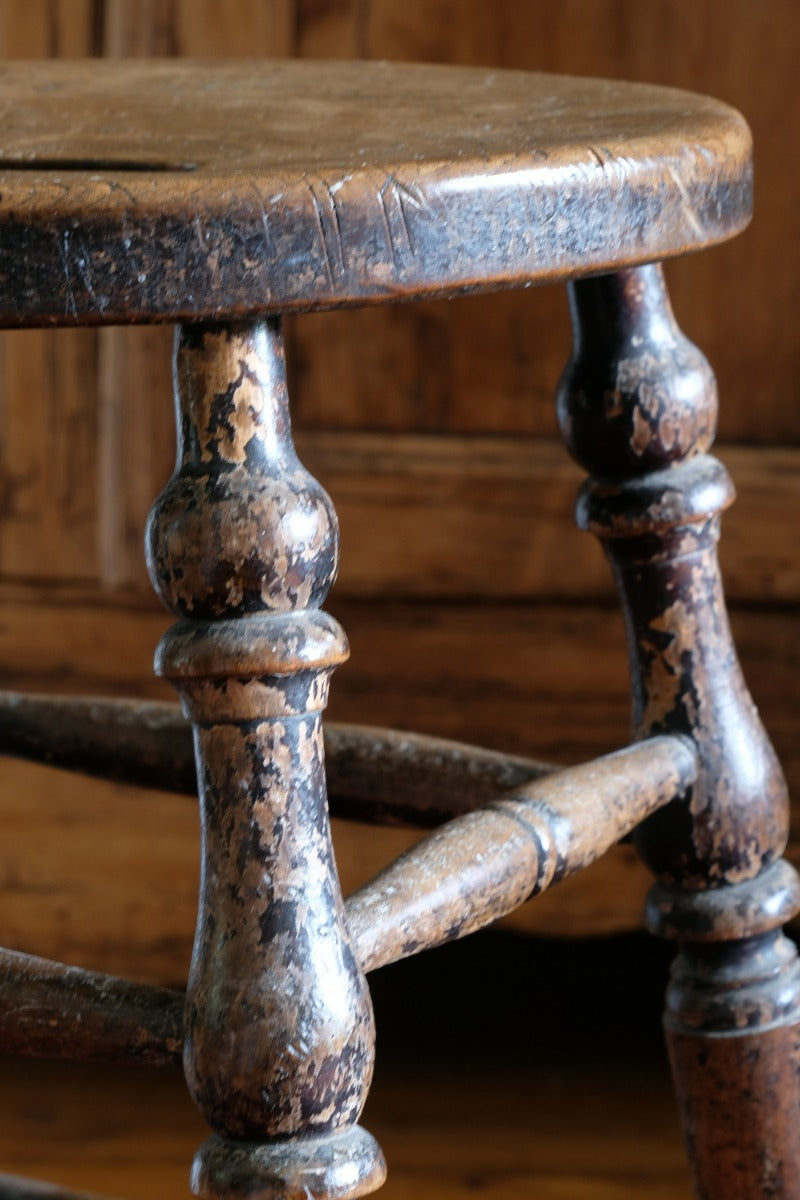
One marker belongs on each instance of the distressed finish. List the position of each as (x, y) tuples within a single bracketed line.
[(244, 190), (458, 880), (482, 865), (242, 544), (219, 199), (733, 1030), (48, 1008), (382, 776), (637, 405)]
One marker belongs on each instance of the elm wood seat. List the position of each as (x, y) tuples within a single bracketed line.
[(176, 191), (218, 197)]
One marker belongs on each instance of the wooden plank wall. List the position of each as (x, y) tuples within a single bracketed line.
[(494, 622)]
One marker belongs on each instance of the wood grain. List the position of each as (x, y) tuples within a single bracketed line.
[(48, 29), (133, 395), (503, 528), (481, 365), (714, 46), (239, 28), (131, 912), (96, 889), (353, 196), (48, 480)]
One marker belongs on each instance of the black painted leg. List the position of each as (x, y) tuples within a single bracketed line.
[(637, 405), (242, 546)]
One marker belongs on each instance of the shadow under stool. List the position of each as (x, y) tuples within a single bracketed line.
[(217, 198)]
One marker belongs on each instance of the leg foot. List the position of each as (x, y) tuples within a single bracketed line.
[(637, 405), (341, 1166)]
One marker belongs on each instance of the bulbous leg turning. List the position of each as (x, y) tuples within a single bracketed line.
[(242, 546), (637, 405)]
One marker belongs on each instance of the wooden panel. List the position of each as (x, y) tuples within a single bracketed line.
[(134, 396), (476, 364), (93, 886), (332, 29), (48, 29), (198, 28), (69, 640), (481, 363), (485, 363), (545, 680), (550, 681), (144, 28), (427, 516), (735, 301), (69, 884), (48, 427), (445, 521), (235, 29), (136, 450), (48, 455), (478, 517)]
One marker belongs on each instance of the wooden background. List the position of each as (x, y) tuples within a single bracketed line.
[(495, 622)]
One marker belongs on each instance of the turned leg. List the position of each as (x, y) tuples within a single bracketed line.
[(242, 547), (637, 405)]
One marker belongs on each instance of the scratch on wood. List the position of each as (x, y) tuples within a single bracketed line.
[(688, 209), (385, 214), (268, 243), (337, 228), (414, 193), (198, 229), (321, 228), (63, 253), (114, 185), (84, 264), (399, 193), (403, 194)]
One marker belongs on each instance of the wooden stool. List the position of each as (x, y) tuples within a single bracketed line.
[(218, 198)]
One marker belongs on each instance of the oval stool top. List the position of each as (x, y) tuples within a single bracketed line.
[(167, 190)]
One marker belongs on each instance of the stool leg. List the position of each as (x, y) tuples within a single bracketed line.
[(637, 405), (242, 546)]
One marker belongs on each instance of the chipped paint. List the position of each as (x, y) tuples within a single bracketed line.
[(654, 499), (243, 545)]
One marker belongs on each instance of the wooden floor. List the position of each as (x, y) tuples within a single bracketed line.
[(507, 1068)]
